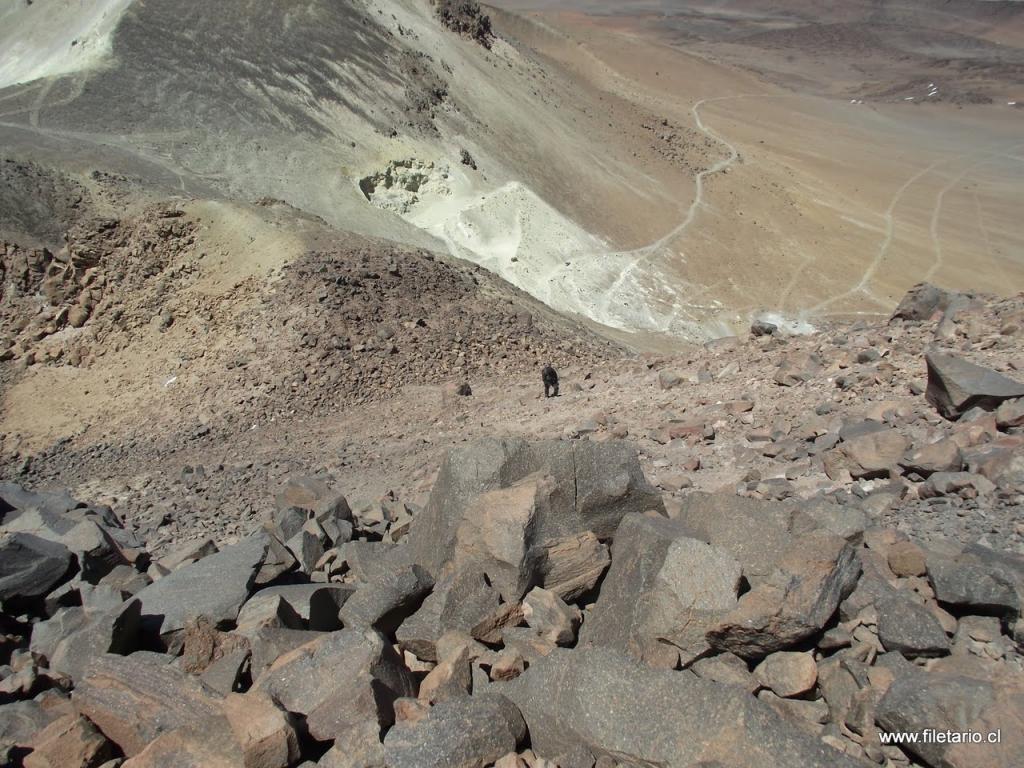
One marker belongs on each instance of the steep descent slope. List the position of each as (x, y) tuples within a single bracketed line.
[(305, 102)]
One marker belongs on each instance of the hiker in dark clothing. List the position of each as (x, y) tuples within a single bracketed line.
[(550, 377)]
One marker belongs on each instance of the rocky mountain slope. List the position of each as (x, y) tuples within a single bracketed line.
[(548, 605), (278, 483)]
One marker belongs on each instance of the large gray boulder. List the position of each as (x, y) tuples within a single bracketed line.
[(662, 594), (924, 302), (384, 603), (133, 699), (955, 385), (980, 580), (31, 566), (113, 631), (815, 575), (215, 587), (85, 535), (919, 700), (585, 703), (726, 521), (19, 498), (339, 682), (590, 487), (908, 627), (465, 732), (463, 601)]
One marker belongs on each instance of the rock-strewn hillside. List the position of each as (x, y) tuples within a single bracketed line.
[(549, 606)]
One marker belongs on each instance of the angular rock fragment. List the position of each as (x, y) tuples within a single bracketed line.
[(549, 615), (963, 484), (725, 521), (316, 604), (874, 455), (268, 644), (463, 601), (133, 700), (955, 386), (215, 587), (467, 732), (844, 520), (264, 733), (313, 495), (573, 565), (47, 634), (817, 573), (31, 566), (980, 580), (725, 668), (924, 302), (593, 485), (115, 631), (385, 603), (662, 594), (584, 703), (262, 610), (1010, 414), (339, 682), (451, 678), (910, 628), (797, 368), (918, 700), (71, 742), (204, 645), (941, 456)]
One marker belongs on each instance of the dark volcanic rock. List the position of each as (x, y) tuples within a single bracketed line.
[(917, 700), (339, 682), (463, 601), (465, 732), (592, 486), (384, 603), (923, 302), (907, 627), (585, 703), (980, 580), (813, 577), (215, 587), (662, 594), (725, 520), (114, 631), (31, 566), (955, 386)]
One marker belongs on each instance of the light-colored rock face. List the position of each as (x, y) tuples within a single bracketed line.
[(62, 39), (699, 576)]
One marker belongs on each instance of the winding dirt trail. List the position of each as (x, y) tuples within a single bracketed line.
[(644, 253), (883, 249)]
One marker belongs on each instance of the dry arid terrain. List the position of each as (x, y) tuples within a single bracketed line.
[(280, 484)]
